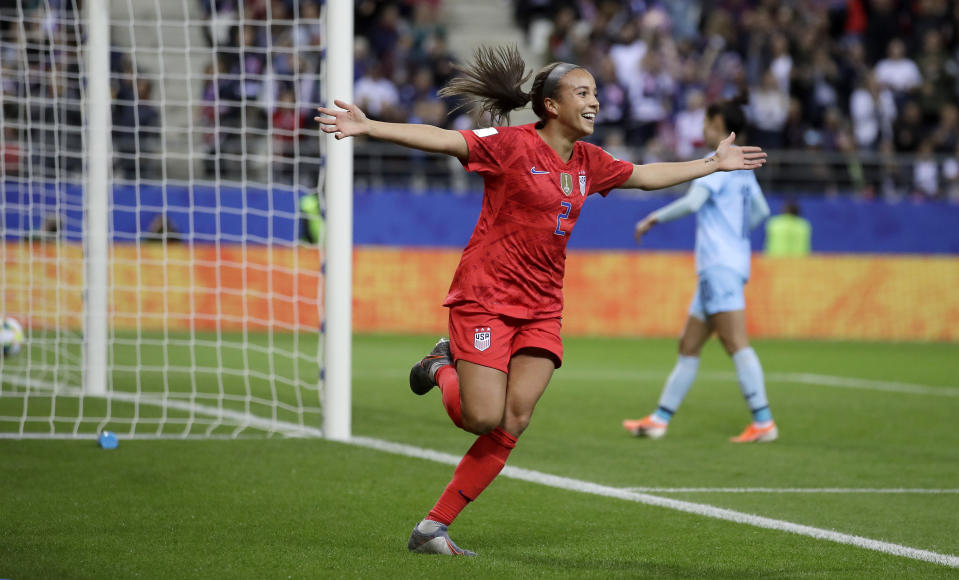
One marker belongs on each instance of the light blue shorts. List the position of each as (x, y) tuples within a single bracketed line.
[(719, 290)]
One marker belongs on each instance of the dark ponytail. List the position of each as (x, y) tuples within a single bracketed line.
[(732, 113), (493, 82)]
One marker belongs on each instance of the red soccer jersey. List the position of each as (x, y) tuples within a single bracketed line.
[(515, 260)]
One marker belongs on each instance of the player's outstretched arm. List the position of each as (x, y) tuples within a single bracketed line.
[(687, 204), (349, 120), (727, 158)]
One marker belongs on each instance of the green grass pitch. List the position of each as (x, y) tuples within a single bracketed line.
[(304, 508)]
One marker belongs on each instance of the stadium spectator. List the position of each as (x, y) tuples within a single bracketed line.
[(650, 92), (891, 179), (569, 36), (56, 122), (286, 121), (222, 16), (12, 151), (852, 63), (898, 72), (883, 21), (938, 83), (950, 176), (222, 113), (614, 113), (377, 94), (249, 62), (794, 131), (781, 65), (419, 88), (788, 234), (872, 110), (627, 50), (768, 111), (735, 206), (136, 129), (689, 124), (821, 76), (506, 297), (439, 59), (308, 33), (385, 35), (925, 172), (908, 128)]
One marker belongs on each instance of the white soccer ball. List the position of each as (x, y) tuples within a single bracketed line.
[(11, 337)]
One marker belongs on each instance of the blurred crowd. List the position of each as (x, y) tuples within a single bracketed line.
[(264, 78), (41, 73), (862, 79), (261, 89), (869, 86), (42, 123)]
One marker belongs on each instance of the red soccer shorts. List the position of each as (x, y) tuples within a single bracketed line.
[(491, 340)]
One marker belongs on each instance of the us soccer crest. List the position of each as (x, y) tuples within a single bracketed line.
[(582, 183), (481, 338), (566, 183)]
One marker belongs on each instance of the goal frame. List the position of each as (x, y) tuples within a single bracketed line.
[(336, 188)]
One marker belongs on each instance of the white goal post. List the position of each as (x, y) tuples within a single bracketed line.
[(163, 186), (339, 208)]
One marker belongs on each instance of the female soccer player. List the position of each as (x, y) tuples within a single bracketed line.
[(506, 297), (727, 207)]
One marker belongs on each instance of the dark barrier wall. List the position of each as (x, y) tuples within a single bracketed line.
[(400, 218)]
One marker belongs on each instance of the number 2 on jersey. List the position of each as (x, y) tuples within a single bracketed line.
[(567, 207)]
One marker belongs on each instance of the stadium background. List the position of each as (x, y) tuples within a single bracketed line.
[(871, 157)]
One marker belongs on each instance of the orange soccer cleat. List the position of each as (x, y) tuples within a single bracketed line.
[(754, 434), (648, 426)]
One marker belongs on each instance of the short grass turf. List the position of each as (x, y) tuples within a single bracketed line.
[(281, 508)]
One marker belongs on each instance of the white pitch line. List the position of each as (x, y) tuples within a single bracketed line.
[(865, 384), (893, 490), (773, 377), (569, 484)]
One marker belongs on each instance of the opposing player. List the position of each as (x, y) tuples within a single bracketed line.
[(727, 207), (506, 300)]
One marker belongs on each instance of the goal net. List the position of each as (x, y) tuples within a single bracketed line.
[(166, 264)]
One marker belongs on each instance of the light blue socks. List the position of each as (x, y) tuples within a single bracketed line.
[(752, 384), (677, 385)]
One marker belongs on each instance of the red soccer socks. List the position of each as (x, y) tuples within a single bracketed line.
[(449, 384), (478, 468)]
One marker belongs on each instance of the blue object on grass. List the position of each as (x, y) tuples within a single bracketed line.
[(107, 440)]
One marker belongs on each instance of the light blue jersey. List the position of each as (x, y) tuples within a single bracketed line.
[(723, 222)]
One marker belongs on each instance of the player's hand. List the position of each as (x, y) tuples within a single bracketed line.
[(346, 121), (643, 226), (730, 158)]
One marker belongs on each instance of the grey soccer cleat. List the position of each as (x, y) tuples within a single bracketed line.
[(431, 537), (423, 373)]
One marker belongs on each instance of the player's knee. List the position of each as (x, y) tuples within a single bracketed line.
[(689, 347), (480, 423), (516, 423), (733, 344)]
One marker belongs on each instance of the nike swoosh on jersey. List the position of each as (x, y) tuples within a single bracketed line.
[(535, 172)]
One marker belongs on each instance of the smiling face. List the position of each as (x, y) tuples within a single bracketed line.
[(575, 105)]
